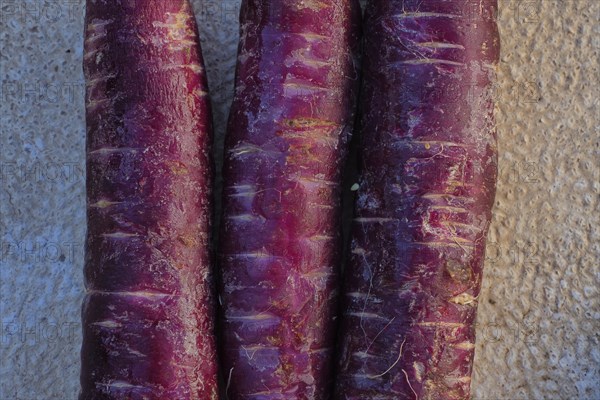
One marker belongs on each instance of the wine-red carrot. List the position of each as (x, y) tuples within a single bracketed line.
[(424, 200), (287, 139), (148, 311)]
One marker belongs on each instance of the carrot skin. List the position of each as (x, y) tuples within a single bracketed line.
[(288, 132), (148, 314), (427, 186)]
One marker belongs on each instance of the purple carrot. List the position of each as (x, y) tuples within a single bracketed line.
[(424, 204), (280, 247), (149, 308)]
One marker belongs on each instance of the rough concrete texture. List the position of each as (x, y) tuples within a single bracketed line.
[(539, 315)]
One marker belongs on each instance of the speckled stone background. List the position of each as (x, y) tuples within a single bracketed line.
[(539, 315)]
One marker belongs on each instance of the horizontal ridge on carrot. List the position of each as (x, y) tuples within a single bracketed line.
[(148, 314), (287, 140), (426, 190)]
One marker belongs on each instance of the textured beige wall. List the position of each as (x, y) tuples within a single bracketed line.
[(539, 316), (539, 313)]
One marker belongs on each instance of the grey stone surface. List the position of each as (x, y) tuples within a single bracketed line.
[(539, 315)]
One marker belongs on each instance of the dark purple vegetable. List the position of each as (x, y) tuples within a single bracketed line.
[(280, 241), (424, 203), (148, 312)]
